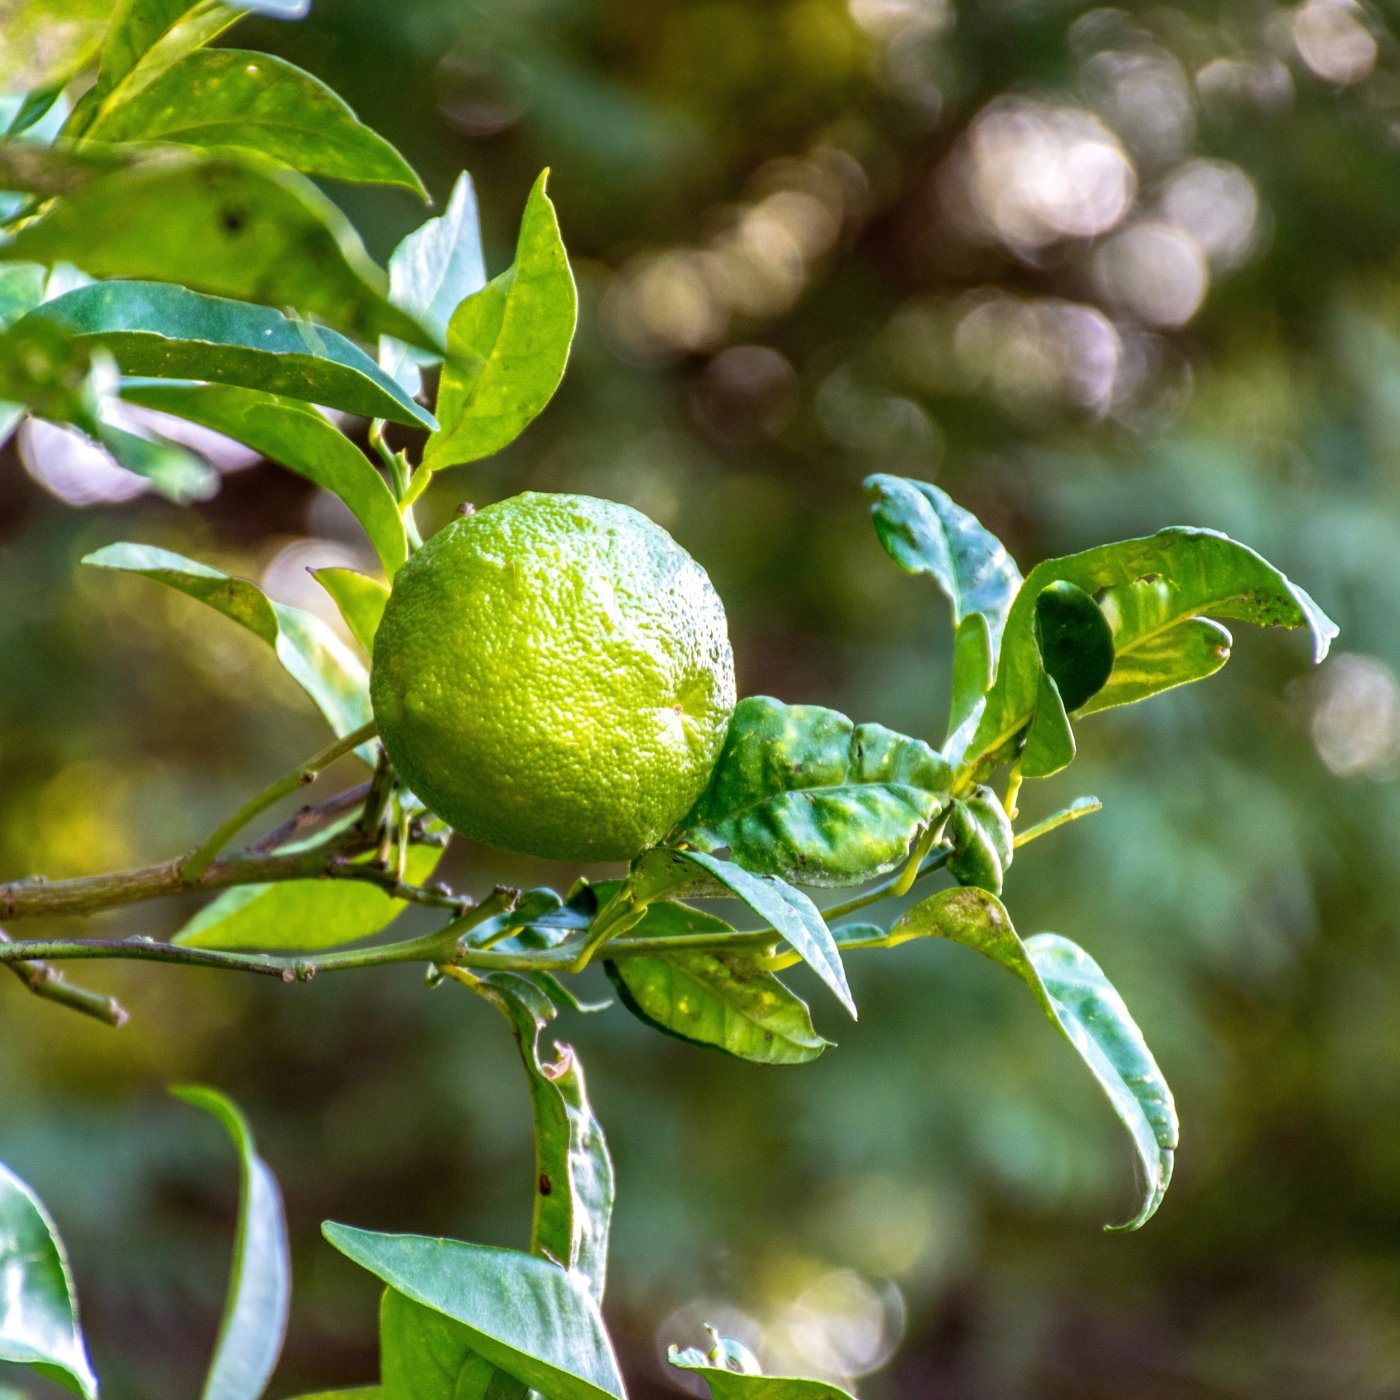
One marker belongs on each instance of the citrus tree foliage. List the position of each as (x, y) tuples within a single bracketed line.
[(214, 283)]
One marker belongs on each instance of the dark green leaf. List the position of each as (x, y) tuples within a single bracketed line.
[(234, 100), (1153, 653), (218, 224), (1075, 640), (151, 328), (725, 1000), (573, 1171), (436, 268), (663, 873), (38, 1312), (303, 916), (1079, 999), (426, 1356), (259, 1293), (359, 598), (298, 437), (802, 793), (925, 532), (532, 1319), (309, 651), (507, 345), (363, 1392), (1049, 744), (43, 42), (1146, 587)]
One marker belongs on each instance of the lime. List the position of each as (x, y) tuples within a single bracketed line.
[(553, 675)]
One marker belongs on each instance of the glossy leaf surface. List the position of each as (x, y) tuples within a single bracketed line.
[(217, 224), (259, 1293), (1075, 640), (154, 329), (724, 1000), (983, 843), (300, 439), (231, 99), (725, 1384), (507, 345), (1163, 581), (309, 651), (573, 1197), (529, 1318), (802, 793), (664, 873), (436, 267), (38, 1310), (1074, 993), (925, 532)]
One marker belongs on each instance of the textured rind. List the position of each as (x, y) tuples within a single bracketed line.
[(553, 675)]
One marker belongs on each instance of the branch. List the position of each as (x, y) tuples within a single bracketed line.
[(310, 817), (199, 859), (48, 982)]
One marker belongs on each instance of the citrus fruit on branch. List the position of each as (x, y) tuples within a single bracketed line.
[(553, 675)]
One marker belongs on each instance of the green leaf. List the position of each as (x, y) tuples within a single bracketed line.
[(259, 1293), (148, 35), (726, 1384), (298, 437), (235, 100), (533, 1320), (303, 916), (925, 532), (361, 601), (436, 268), (802, 793), (725, 1000), (45, 42), (38, 1311), (507, 345), (426, 1356), (21, 290), (151, 328), (661, 872), (309, 651), (172, 470), (1150, 658), (219, 224), (363, 1392), (983, 843), (1075, 640), (1079, 999), (1146, 588), (573, 1171)]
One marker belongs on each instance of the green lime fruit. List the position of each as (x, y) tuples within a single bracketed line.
[(553, 675)]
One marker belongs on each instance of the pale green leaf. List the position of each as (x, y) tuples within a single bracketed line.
[(424, 1355), (234, 100), (309, 651), (436, 268), (925, 532), (259, 1294), (303, 916), (802, 793), (726, 1384), (531, 1319), (359, 598), (299, 438), (38, 1310), (507, 345), (45, 42), (151, 328), (1079, 999)]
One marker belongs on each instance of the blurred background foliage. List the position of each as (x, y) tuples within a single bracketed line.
[(1091, 270)]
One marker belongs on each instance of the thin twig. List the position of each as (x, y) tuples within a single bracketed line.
[(309, 818), (199, 859), (45, 980)]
